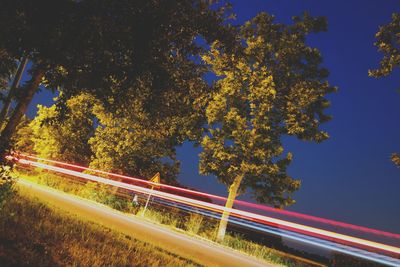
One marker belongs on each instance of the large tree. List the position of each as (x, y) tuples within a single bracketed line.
[(275, 87), (388, 43), (105, 48)]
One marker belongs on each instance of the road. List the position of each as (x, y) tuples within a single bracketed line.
[(200, 251)]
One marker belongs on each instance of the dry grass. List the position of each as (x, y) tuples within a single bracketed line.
[(33, 234)]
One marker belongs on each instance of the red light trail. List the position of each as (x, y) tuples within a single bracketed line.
[(240, 202), (201, 204)]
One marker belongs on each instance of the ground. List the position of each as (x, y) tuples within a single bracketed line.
[(34, 234)]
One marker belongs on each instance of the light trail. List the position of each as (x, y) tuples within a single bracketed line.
[(304, 239), (233, 212), (283, 226), (244, 203)]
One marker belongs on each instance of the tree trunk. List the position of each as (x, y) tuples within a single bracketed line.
[(20, 110), (13, 88), (233, 189)]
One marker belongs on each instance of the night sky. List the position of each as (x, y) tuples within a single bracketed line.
[(350, 176)]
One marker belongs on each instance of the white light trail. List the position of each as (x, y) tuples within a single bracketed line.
[(354, 240)]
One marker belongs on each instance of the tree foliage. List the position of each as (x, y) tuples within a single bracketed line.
[(128, 42), (396, 158), (23, 138), (68, 139), (108, 48), (388, 43), (274, 88), (129, 143)]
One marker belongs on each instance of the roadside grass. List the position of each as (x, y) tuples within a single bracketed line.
[(197, 226), (189, 223), (34, 234)]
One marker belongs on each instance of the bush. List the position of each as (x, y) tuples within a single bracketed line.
[(91, 190), (48, 179), (116, 202), (194, 223), (6, 184)]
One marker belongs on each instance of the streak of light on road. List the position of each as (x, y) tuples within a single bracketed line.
[(223, 199), (383, 259), (306, 234)]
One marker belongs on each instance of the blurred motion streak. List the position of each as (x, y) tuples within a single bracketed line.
[(351, 245)]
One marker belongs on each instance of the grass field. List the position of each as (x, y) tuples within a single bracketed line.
[(34, 234)]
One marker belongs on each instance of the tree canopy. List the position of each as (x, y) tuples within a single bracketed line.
[(129, 142), (68, 139), (109, 48), (388, 43), (23, 138)]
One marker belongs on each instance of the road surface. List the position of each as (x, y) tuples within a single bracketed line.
[(200, 251)]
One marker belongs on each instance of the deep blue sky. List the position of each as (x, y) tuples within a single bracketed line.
[(349, 177)]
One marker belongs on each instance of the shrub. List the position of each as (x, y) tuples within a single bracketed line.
[(6, 184), (194, 223)]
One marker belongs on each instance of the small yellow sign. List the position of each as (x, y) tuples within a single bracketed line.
[(156, 179)]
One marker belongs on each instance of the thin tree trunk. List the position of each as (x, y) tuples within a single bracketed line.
[(13, 88), (233, 190), (20, 110)]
